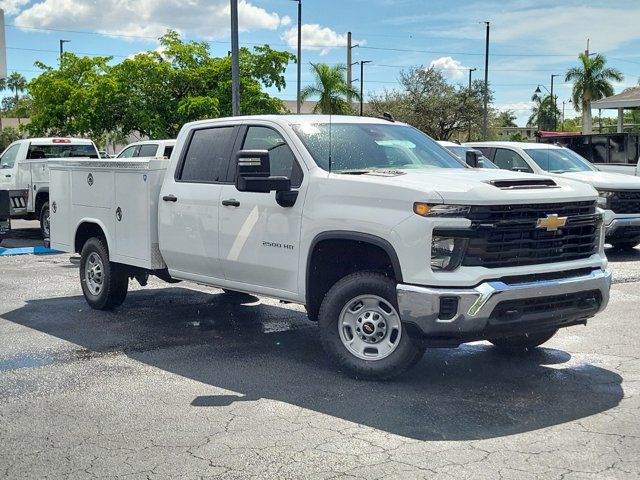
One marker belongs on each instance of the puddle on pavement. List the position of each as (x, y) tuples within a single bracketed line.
[(25, 361)]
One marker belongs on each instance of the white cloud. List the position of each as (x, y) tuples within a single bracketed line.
[(450, 68), (285, 21), (12, 7), (315, 37), (203, 18)]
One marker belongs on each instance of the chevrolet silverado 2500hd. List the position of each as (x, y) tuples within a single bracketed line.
[(391, 243), (24, 173)]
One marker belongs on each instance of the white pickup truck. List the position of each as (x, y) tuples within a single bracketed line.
[(391, 243), (619, 195), (24, 173)]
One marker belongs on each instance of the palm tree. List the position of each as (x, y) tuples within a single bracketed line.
[(3, 87), (542, 112), (332, 88), (591, 81), (507, 118), (18, 84)]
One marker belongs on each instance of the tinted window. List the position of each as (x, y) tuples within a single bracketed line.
[(559, 160), (364, 147), (9, 157), (510, 160), (61, 151), (167, 151), (128, 152), (148, 150), (207, 152), (281, 158)]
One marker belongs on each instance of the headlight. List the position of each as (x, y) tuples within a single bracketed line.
[(431, 210), (447, 252), (604, 199)]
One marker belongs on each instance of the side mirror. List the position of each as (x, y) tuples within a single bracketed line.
[(5, 165), (253, 173), (473, 158)]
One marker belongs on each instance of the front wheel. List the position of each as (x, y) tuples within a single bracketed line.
[(522, 343), (45, 227), (361, 330), (104, 283)]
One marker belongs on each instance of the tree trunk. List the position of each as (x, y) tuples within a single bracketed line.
[(587, 120)]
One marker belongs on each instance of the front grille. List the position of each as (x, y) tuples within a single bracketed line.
[(510, 310), (626, 201), (508, 235)]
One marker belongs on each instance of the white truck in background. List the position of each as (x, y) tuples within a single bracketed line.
[(24, 173), (391, 243), (148, 148)]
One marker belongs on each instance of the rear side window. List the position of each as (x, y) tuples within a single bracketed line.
[(168, 151), (281, 158), (148, 150), (207, 154), (510, 160), (61, 151), (128, 152), (8, 159)]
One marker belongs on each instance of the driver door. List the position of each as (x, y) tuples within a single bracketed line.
[(259, 239)]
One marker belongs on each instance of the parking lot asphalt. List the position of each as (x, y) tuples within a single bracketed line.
[(182, 382)]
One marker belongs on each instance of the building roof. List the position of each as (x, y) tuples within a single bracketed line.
[(630, 98)]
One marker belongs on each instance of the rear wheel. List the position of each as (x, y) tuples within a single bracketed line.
[(522, 343), (361, 330), (45, 229), (624, 244), (104, 283)]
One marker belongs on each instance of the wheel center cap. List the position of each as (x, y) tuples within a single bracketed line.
[(368, 328)]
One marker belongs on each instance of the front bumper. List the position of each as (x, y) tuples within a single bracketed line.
[(502, 307), (623, 227)]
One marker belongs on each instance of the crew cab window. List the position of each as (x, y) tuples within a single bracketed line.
[(283, 162), (61, 151), (208, 151), (8, 158), (510, 160), (129, 152), (167, 151), (147, 150)]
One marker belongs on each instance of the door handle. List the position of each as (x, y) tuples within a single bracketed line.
[(170, 198), (231, 202), (8, 175)]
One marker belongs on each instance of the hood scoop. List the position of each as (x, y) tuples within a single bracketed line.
[(518, 184)]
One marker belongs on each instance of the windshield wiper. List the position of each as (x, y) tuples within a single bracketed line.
[(354, 172)]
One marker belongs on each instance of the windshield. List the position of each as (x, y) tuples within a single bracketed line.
[(366, 147), (559, 160), (461, 152)]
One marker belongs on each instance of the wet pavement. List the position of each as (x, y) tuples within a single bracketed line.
[(184, 382)]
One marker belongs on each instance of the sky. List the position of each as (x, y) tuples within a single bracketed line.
[(529, 40)]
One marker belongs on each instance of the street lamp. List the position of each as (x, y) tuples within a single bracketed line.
[(563, 103), (362, 62), (62, 42), (298, 97), (553, 99), (485, 120), (469, 134)]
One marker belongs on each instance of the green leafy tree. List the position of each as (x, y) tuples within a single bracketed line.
[(331, 89), (506, 118), (8, 135), (591, 81), (431, 104), (544, 114)]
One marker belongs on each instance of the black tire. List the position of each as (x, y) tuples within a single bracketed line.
[(624, 244), (115, 280), (522, 343), (406, 353), (45, 229)]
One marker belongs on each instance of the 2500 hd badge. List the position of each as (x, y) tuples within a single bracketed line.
[(277, 245)]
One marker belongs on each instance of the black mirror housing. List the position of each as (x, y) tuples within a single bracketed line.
[(253, 170), (473, 158)]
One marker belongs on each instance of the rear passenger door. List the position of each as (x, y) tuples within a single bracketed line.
[(189, 205), (511, 160)]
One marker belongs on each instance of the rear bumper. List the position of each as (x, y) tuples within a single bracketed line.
[(497, 308)]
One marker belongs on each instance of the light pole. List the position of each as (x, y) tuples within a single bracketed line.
[(62, 42), (235, 60), (349, 63), (553, 99), (563, 103), (469, 135), (541, 109), (362, 62), (298, 99), (485, 120)]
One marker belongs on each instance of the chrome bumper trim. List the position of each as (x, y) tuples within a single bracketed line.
[(617, 223), (421, 305)]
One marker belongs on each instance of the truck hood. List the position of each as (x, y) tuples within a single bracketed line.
[(472, 186), (603, 180)]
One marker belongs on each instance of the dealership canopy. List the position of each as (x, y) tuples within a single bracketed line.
[(629, 99)]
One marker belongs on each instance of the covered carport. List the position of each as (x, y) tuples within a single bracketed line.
[(627, 100)]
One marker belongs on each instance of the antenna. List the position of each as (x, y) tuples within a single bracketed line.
[(329, 139)]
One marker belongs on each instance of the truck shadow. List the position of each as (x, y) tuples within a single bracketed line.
[(23, 234), (266, 351), (615, 255)]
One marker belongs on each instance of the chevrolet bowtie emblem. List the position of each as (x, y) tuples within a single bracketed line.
[(552, 222)]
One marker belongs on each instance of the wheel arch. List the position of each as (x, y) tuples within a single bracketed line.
[(87, 228)]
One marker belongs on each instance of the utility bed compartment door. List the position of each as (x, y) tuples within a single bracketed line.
[(93, 188), (60, 209), (132, 215)]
